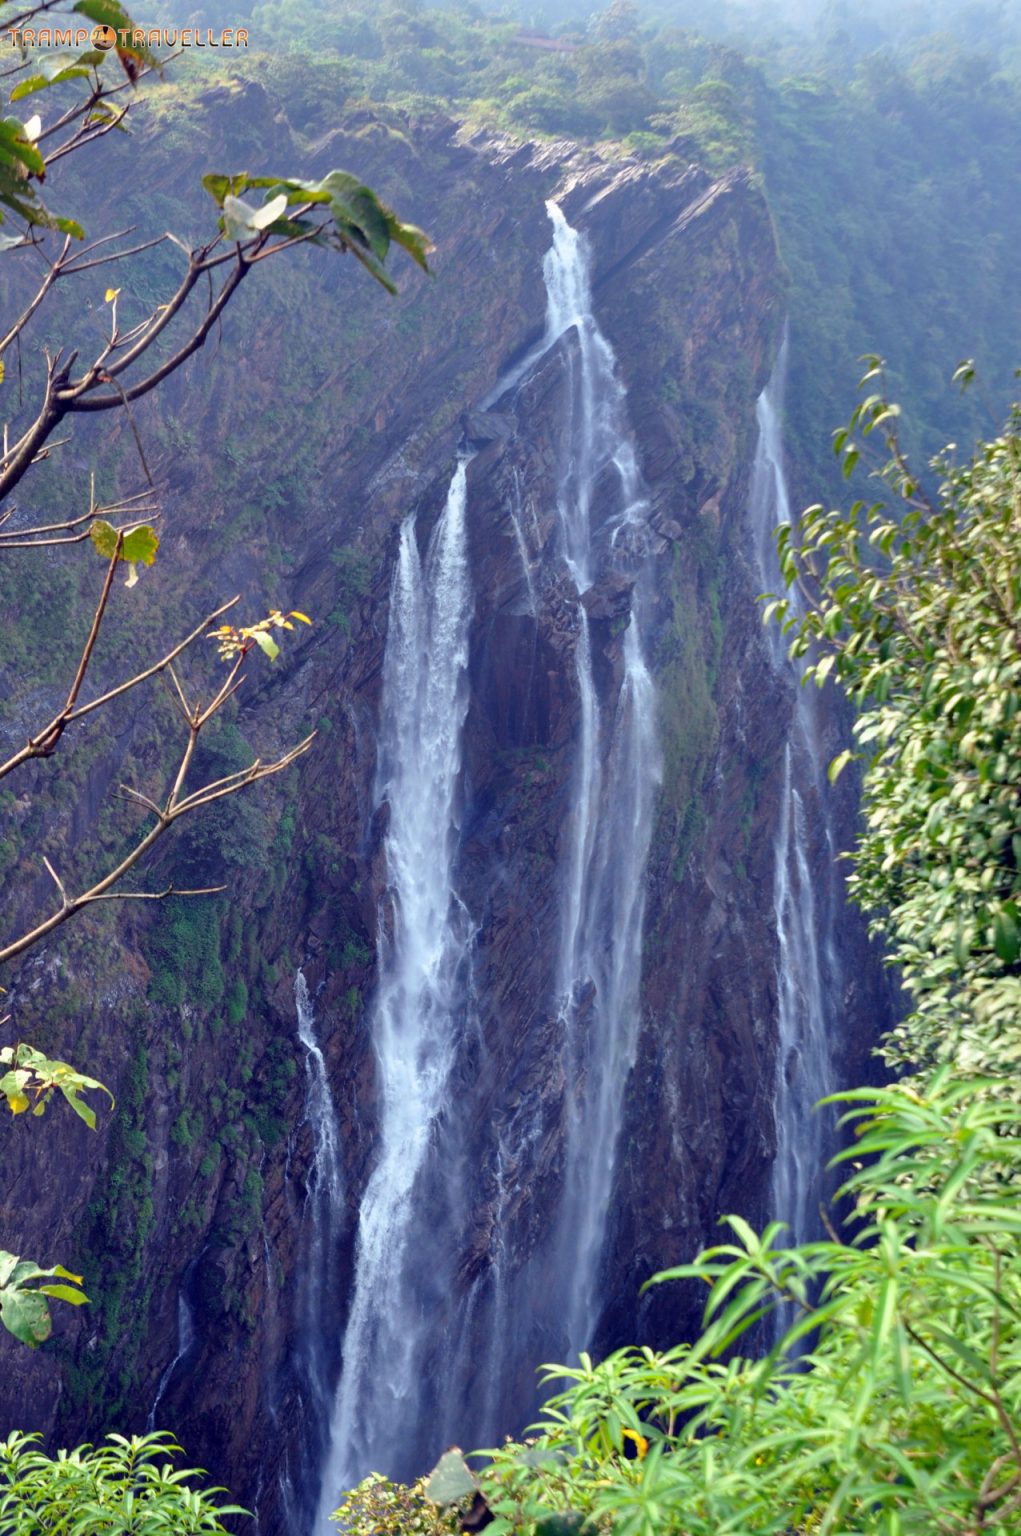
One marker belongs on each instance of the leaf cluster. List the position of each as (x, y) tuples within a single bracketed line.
[(130, 1486), (891, 1401), (357, 220), (914, 605), (233, 642), (23, 162), (24, 1310), (378, 1505), (29, 1072)]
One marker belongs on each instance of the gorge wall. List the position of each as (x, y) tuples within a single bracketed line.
[(219, 1245)]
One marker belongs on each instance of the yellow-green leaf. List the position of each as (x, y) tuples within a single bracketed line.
[(104, 537), (140, 545), (65, 1293), (266, 644)]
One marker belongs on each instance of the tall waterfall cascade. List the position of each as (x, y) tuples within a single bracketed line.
[(426, 1358), (617, 771), (803, 907), (423, 936)]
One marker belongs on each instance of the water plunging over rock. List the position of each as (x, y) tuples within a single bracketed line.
[(616, 772), (808, 980), (418, 1013), (418, 1210)]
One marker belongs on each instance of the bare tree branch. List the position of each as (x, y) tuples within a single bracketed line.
[(137, 507), (45, 741), (171, 890), (40, 294), (172, 810)]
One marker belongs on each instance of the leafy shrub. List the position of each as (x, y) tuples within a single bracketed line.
[(130, 1486), (378, 1506), (891, 1402)]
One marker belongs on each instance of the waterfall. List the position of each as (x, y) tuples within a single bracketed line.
[(320, 1217), (186, 1336), (424, 936), (445, 1314), (601, 511), (323, 1198), (803, 906), (522, 546)]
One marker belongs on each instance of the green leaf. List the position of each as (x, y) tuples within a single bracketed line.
[(17, 150), (238, 217), (104, 537), (140, 545), (266, 644), (270, 212), (1006, 936), (81, 1109), (218, 186), (65, 1293), (109, 13), (451, 1479), (54, 69), (243, 221), (411, 239), (838, 765), (25, 1314)]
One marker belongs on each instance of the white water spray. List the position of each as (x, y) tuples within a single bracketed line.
[(323, 1200), (424, 935), (601, 510), (806, 969), (186, 1336)]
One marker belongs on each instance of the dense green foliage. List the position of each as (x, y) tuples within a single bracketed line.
[(901, 1414), (918, 610), (379, 1505), (128, 1486)]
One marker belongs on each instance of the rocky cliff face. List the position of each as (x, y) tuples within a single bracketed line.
[(287, 478)]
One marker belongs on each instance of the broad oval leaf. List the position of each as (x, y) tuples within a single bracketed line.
[(451, 1479)]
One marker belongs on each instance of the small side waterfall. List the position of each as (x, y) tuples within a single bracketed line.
[(323, 1198), (319, 1216), (807, 970), (424, 935), (186, 1336), (617, 770)]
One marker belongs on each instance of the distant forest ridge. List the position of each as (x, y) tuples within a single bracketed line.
[(889, 145)]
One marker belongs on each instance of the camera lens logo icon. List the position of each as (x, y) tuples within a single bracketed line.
[(104, 37)]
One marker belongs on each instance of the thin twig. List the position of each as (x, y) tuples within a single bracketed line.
[(44, 742), (254, 774), (171, 890)]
